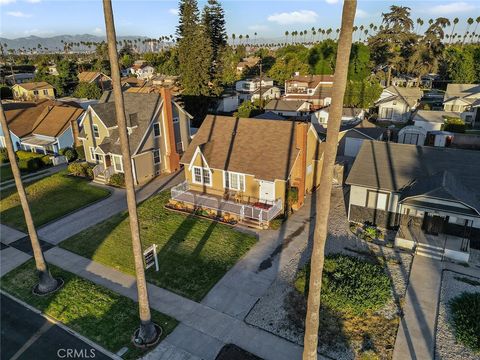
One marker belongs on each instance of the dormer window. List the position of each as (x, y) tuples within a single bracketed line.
[(156, 129)]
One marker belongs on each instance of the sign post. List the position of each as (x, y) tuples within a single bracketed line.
[(150, 257)]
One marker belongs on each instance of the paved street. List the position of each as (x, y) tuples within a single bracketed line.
[(28, 335)]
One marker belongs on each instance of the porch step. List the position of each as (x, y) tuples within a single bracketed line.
[(429, 251), (250, 223), (99, 180), (429, 246)]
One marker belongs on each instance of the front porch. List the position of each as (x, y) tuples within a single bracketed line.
[(253, 212), (107, 165), (438, 246)]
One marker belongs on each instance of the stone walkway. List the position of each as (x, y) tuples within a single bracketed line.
[(416, 334), (57, 231), (203, 330)]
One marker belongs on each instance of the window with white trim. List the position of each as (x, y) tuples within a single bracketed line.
[(377, 200), (156, 156), (202, 176), (117, 163), (45, 92), (156, 130), (234, 181), (96, 132), (92, 153)]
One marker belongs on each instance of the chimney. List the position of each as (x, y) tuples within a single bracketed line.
[(299, 176), (172, 156)]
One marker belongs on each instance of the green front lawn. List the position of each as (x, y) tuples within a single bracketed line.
[(97, 313), (49, 198), (5, 173), (194, 253)]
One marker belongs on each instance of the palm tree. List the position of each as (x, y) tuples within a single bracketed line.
[(286, 36), (46, 283), (469, 23), (246, 38), (455, 22), (147, 333), (255, 34), (233, 39), (477, 21), (240, 37), (324, 192)]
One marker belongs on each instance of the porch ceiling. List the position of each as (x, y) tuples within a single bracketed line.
[(35, 141), (426, 206)]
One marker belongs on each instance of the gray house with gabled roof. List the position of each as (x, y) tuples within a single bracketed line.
[(430, 194)]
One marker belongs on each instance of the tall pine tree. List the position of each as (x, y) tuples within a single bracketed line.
[(194, 51), (213, 19)]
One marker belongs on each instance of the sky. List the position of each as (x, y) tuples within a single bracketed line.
[(154, 18)]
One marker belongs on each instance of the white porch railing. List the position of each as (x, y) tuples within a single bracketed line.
[(98, 170), (244, 211)]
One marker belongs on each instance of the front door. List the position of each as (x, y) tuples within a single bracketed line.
[(108, 161), (433, 224), (267, 191)]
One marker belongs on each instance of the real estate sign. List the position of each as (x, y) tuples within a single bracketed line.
[(150, 257)]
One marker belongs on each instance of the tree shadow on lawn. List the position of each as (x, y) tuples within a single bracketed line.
[(61, 197)]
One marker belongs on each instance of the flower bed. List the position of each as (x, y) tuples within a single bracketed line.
[(199, 211)]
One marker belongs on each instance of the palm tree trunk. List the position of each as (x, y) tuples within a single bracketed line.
[(148, 333), (324, 193), (46, 282)]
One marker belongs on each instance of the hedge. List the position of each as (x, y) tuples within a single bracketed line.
[(69, 153), (4, 156), (117, 180), (350, 284), (21, 154), (30, 165), (465, 310), (81, 169)]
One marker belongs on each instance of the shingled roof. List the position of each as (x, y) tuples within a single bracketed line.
[(36, 85), (409, 95), (395, 167), (22, 116), (265, 149), (137, 105)]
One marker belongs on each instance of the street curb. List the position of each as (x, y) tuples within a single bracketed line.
[(63, 326)]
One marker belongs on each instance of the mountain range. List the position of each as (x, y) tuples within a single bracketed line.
[(56, 41)]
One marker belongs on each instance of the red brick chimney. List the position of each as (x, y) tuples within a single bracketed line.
[(173, 158)]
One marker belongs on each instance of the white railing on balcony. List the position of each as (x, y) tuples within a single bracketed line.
[(244, 211)]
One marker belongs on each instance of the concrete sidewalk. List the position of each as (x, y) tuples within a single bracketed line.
[(416, 333), (57, 231), (33, 176), (203, 330)]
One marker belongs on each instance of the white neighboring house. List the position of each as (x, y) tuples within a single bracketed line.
[(288, 107), (144, 72), (268, 93), (427, 129), (432, 120), (228, 102), (398, 103), (349, 115), (246, 88), (465, 99)]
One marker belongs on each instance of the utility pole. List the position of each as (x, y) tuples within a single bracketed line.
[(261, 77)]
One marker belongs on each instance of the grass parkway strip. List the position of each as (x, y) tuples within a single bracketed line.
[(91, 310)]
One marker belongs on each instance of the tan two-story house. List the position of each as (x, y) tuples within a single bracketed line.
[(251, 169), (158, 128), (33, 91)]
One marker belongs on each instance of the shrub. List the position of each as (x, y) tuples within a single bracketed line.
[(30, 165), (4, 156), (465, 310), (80, 153), (69, 153), (80, 169), (46, 160), (350, 284), (292, 195), (454, 124), (21, 154), (117, 180)]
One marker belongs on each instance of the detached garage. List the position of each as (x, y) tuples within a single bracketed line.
[(352, 139)]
